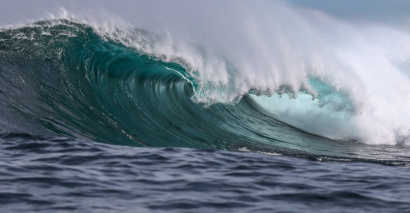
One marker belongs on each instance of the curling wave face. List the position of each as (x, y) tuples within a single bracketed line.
[(65, 77)]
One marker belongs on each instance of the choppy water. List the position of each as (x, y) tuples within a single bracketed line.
[(55, 174), (291, 111)]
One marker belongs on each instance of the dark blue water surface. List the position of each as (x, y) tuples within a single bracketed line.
[(56, 174)]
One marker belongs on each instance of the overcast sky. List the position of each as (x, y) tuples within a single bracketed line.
[(380, 10), (384, 11)]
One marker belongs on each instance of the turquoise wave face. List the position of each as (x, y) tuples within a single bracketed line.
[(62, 78)]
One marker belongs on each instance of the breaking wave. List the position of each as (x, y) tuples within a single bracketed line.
[(130, 86)]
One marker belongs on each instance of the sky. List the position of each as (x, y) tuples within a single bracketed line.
[(383, 11)]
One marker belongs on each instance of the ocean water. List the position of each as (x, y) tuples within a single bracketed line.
[(56, 174), (270, 108)]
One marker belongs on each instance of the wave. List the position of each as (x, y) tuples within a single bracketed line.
[(133, 87)]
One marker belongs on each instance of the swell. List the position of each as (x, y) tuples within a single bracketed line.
[(63, 78)]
